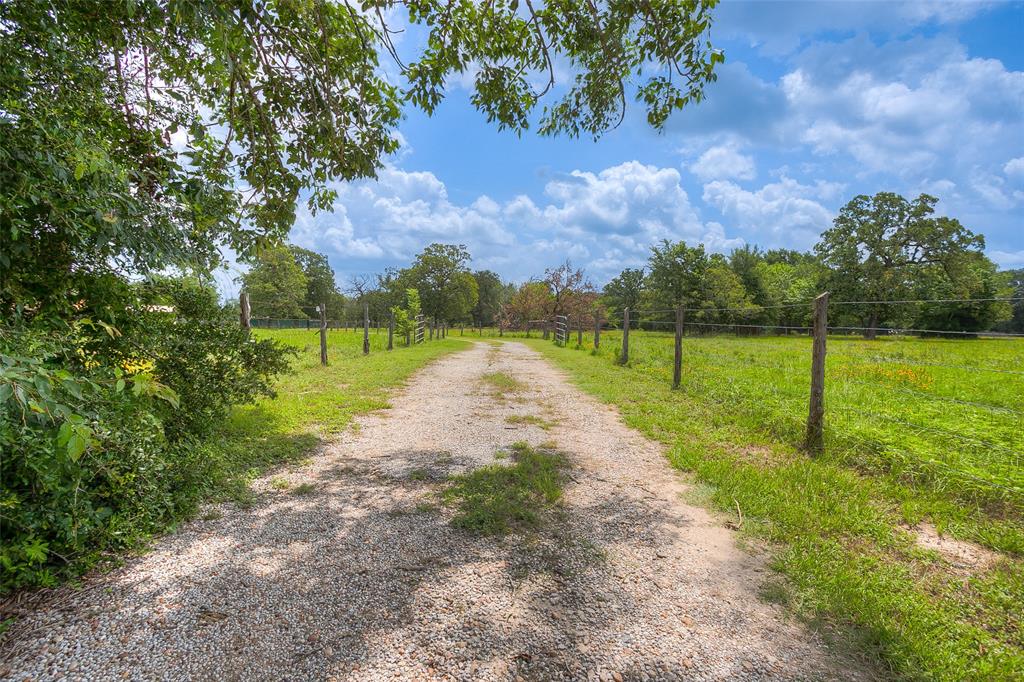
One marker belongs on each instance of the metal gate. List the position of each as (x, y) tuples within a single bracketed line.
[(561, 330), (420, 326)]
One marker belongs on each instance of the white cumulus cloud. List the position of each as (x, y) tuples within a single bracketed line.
[(722, 162), (780, 213)]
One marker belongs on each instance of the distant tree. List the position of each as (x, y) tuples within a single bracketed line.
[(878, 245), (784, 287), (973, 277), (276, 285), (1013, 281), (531, 301), (565, 283), (625, 290), (745, 262), (723, 297), (676, 274), (358, 287), (490, 297), (441, 274), (406, 313), (321, 287)]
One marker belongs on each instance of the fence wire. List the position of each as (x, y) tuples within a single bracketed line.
[(659, 323)]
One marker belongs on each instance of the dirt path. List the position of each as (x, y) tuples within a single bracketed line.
[(362, 578)]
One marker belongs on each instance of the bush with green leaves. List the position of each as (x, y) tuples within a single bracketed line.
[(102, 428)]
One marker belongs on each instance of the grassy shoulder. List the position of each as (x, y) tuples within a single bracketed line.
[(314, 402), (838, 529)]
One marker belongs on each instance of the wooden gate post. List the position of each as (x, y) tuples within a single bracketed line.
[(391, 331), (597, 330), (323, 334), (815, 441), (625, 337), (366, 329), (677, 366), (246, 312)]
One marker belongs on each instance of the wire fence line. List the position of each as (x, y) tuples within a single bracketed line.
[(901, 394)]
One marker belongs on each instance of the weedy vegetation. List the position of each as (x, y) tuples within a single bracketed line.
[(533, 419), (502, 498), (916, 431), (503, 383)]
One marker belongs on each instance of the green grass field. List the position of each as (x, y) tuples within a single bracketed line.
[(916, 431)]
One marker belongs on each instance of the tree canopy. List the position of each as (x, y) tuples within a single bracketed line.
[(886, 247), (141, 134), (276, 285)]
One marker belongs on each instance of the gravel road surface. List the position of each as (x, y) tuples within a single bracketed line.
[(353, 571)]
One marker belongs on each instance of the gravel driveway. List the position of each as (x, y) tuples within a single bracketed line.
[(353, 572)]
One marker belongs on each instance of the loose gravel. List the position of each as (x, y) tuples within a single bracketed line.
[(353, 572)]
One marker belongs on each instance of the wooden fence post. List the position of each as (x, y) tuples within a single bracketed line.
[(501, 327), (625, 337), (366, 329), (677, 366), (391, 331), (246, 312), (597, 330), (815, 441), (323, 334)]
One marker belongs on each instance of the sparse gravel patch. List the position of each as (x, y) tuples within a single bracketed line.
[(361, 577)]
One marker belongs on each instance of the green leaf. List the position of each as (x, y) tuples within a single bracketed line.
[(64, 434), (76, 445), (36, 551), (80, 169)]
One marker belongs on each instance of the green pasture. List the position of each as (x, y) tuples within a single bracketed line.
[(919, 433)]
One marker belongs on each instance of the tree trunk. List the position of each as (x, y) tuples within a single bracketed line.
[(871, 333)]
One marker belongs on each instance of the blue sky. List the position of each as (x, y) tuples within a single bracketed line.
[(817, 102)]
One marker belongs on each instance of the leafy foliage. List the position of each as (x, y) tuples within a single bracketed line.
[(139, 135), (441, 276), (491, 295), (886, 247), (405, 318), (102, 434), (321, 288), (276, 284), (883, 250)]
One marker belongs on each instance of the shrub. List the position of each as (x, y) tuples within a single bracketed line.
[(102, 427)]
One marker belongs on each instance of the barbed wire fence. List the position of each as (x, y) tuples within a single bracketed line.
[(991, 462)]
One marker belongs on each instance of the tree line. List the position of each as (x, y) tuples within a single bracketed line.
[(881, 251)]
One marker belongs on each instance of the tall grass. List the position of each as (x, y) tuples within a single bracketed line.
[(916, 430)]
